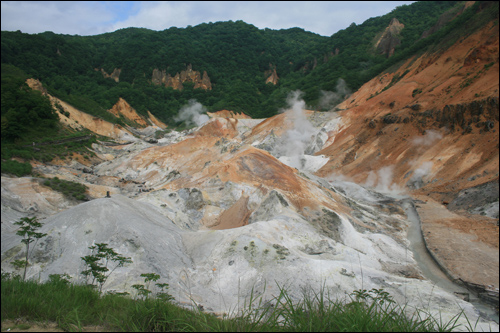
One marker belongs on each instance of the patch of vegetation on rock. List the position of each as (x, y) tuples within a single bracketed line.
[(16, 168), (70, 189)]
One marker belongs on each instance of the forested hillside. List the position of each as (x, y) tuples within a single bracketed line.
[(236, 56)]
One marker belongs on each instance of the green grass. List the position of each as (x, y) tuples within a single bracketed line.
[(68, 188), (76, 306), (47, 146), (16, 168)]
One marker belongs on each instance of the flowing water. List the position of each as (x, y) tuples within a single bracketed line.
[(430, 268)]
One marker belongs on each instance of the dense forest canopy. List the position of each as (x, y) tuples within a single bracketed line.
[(237, 57)]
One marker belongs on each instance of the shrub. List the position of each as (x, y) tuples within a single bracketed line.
[(16, 168), (96, 264), (68, 188)]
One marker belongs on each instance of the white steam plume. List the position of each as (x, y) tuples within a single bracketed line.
[(381, 181), (416, 180), (428, 139), (296, 139), (422, 170), (192, 113), (330, 99)]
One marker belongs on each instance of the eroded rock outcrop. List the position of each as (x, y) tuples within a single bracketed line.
[(272, 75), (76, 119), (115, 75), (35, 84), (479, 115), (156, 122), (201, 81), (122, 108), (390, 38), (228, 114)]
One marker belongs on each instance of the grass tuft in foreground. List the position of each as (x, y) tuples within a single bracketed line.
[(75, 307)]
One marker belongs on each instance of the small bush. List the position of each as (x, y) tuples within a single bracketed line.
[(68, 188), (16, 168), (416, 92)]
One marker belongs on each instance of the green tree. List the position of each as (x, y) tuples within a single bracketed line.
[(228, 51), (144, 291), (28, 231), (97, 264)]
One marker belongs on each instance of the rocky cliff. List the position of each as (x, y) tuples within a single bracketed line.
[(390, 38), (154, 121), (459, 100), (36, 85), (123, 109), (272, 75), (115, 75), (228, 114), (187, 75), (76, 119)]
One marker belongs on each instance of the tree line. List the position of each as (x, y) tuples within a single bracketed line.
[(236, 56)]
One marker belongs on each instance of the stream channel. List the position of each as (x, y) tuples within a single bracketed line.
[(430, 268)]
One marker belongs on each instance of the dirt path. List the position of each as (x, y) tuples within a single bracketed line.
[(19, 325)]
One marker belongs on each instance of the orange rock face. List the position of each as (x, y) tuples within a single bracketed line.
[(228, 114), (122, 108), (435, 119), (449, 97), (115, 75), (156, 122), (188, 75), (36, 85), (272, 75)]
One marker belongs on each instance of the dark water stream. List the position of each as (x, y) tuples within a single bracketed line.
[(430, 268)]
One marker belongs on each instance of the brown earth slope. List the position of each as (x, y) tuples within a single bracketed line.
[(78, 120), (430, 128)]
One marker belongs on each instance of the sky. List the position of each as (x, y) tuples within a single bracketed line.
[(97, 17)]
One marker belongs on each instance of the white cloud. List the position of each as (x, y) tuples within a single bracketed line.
[(159, 15), (67, 17), (94, 17)]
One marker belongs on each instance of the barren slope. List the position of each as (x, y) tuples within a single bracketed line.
[(434, 134)]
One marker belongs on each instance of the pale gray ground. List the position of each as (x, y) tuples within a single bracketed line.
[(218, 269)]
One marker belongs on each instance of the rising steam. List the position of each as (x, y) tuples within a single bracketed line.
[(296, 139), (423, 170), (428, 139), (329, 99), (192, 113), (381, 180)]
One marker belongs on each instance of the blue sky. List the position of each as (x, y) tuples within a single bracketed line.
[(96, 17)]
